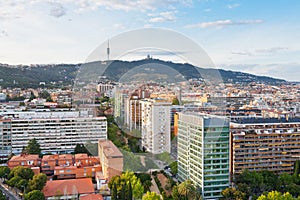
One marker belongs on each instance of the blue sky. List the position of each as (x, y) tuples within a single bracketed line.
[(256, 36)]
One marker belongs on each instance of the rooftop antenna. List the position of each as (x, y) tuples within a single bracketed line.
[(108, 50)]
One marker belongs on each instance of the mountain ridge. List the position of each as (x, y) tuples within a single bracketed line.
[(57, 75)]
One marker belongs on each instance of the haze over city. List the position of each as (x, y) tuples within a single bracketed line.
[(259, 37)]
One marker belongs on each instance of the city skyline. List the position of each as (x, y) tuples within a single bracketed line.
[(249, 36)]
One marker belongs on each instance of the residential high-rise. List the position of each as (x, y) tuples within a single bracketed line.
[(156, 126), (265, 144), (56, 131), (203, 152)]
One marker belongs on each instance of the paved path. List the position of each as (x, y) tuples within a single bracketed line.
[(154, 187), (8, 193)]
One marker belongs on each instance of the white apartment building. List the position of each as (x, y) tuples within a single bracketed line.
[(56, 131), (156, 126), (203, 152)]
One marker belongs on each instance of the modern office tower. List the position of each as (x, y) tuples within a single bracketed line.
[(265, 144), (56, 132), (156, 126), (203, 152)]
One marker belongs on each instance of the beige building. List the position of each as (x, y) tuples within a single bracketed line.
[(111, 159)]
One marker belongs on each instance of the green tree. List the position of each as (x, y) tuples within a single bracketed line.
[(124, 180), (80, 148), (297, 167), (233, 194), (4, 171), (129, 194), (175, 193), (187, 190), (174, 167), (13, 181), (23, 172), (22, 184), (151, 196), (114, 194), (34, 195), (44, 94), (123, 192), (33, 147), (2, 196), (275, 195), (38, 182), (175, 101)]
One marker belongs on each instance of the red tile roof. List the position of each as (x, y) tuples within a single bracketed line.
[(92, 197), (68, 187), (81, 156), (25, 157), (65, 156)]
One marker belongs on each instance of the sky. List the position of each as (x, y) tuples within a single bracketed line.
[(255, 36)]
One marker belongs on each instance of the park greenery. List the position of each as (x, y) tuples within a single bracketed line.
[(151, 196), (34, 195), (24, 179), (126, 186), (254, 184)]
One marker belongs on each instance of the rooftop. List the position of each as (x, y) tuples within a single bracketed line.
[(260, 120), (25, 157), (68, 187), (109, 149), (92, 197), (81, 156)]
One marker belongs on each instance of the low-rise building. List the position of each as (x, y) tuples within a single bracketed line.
[(68, 189), (111, 159), (25, 160)]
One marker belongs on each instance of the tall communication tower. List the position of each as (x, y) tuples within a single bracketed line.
[(108, 50)]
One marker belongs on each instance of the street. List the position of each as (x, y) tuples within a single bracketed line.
[(8, 193)]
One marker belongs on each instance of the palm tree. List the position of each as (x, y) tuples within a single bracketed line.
[(188, 191)]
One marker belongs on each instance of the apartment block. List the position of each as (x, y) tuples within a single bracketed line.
[(156, 131), (5, 139), (203, 152), (111, 159), (265, 144), (57, 132)]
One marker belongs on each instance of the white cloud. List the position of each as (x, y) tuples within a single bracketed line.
[(57, 10), (3, 33), (231, 6), (271, 50), (118, 26), (207, 10), (162, 17), (258, 52), (242, 53), (223, 23), (128, 5), (278, 70)]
